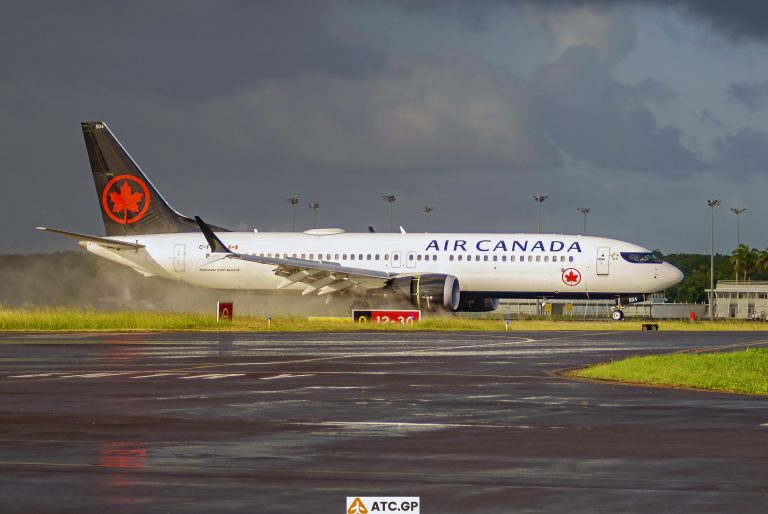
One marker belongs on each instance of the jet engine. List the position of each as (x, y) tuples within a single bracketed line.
[(429, 292)]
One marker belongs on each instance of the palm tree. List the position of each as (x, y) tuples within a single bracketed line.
[(761, 259), (743, 260)]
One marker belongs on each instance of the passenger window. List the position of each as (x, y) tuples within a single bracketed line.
[(570, 258), (368, 258), (410, 257), (397, 257), (352, 257), (345, 256), (562, 258), (434, 257), (336, 257), (511, 258), (418, 257), (530, 258), (360, 257), (485, 257), (546, 258), (377, 256), (477, 257), (538, 258), (495, 258), (386, 256), (460, 258), (311, 256), (450, 258)]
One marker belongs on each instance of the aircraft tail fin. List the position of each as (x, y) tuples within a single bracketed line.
[(129, 203)]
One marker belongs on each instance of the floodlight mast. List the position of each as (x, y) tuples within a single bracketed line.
[(737, 211), (314, 206), (293, 202), (390, 199), (712, 204), (539, 200), (584, 211), (427, 209)]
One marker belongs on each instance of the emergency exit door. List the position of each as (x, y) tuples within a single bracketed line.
[(178, 257)]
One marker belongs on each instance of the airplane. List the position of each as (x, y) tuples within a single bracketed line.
[(456, 272)]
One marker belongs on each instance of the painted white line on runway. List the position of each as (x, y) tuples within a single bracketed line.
[(213, 376), (95, 375), (764, 425), (387, 424), (157, 375), (35, 375), (285, 375)]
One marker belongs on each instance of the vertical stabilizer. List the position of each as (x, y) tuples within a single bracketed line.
[(129, 202)]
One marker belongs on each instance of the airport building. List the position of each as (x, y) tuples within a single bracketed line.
[(740, 300)]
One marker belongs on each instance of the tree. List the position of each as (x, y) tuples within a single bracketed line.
[(761, 260), (743, 260)]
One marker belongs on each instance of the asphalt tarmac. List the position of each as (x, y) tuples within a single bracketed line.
[(295, 423)]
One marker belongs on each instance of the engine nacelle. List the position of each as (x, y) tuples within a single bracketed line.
[(429, 292), (478, 304)]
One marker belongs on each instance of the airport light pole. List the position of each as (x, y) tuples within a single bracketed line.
[(584, 211), (737, 211), (293, 202), (314, 206), (712, 204), (427, 209), (390, 199), (539, 199)]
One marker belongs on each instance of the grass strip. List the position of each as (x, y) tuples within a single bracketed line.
[(41, 320), (743, 371)]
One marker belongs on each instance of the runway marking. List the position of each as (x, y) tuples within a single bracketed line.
[(286, 375), (213, 376), (34, 375), (156, 375), (417, 425), (95, 375)]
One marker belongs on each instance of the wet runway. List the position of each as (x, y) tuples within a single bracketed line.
[(295, 423)]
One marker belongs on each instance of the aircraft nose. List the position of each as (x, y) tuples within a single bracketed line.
[(671, 275)]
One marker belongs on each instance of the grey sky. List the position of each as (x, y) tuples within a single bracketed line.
[(639, 110)]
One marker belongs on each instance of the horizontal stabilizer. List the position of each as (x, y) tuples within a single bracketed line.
[(102, 241)]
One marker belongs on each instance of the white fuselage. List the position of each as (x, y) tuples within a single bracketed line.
[(499, 265)]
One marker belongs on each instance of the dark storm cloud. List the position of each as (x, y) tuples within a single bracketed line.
[(604, 122), (738, 20), (750, 94), (173, 49), (743, 152)]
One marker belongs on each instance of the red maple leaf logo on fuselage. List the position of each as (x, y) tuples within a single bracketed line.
[(125, 200)]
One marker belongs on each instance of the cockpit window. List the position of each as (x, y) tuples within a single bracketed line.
[(641, 257)]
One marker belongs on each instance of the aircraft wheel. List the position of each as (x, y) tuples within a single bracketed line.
[(617, 315)]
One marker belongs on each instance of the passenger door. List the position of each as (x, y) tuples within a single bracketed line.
[(603, 256)]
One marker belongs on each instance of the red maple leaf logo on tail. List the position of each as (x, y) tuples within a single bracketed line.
[(125, 200)]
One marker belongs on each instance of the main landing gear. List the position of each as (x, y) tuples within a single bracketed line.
[(617, 314)]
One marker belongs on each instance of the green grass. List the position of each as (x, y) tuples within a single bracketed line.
[(737, 372), (122, 321)]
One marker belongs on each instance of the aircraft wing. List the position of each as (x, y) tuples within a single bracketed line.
[(101, 241), (320, 277)]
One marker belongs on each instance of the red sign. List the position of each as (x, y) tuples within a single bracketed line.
[(224, 311), (128, 204), (571, 277), (386, 316)]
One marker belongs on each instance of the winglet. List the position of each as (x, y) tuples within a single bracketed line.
[(214, 242)]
